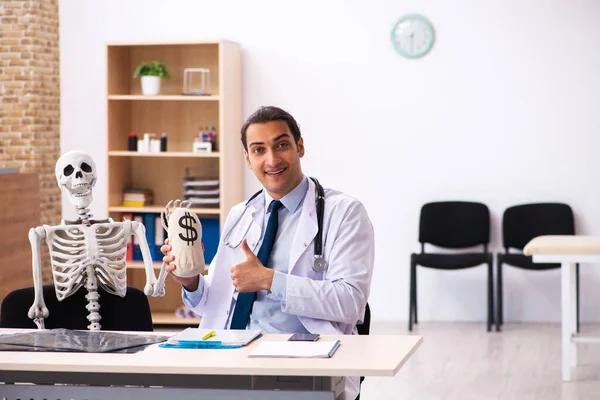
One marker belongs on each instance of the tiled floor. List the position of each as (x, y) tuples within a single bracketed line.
[(463, 361)]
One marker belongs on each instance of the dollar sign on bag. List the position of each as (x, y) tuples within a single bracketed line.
[(191, 234)]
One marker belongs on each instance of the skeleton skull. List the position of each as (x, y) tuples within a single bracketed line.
[(76, 174)]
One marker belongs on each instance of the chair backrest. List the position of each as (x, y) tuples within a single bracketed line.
[(522, 223), (129, 313), (455, 224), (365, 327)]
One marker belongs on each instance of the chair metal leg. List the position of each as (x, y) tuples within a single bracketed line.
[(416, 320), (411, 296), (577, 293), (490, 289), (499, 290)]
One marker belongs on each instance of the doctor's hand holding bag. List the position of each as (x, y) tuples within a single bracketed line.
[(294, 258)]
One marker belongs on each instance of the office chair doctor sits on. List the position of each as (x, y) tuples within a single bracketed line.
[(294, 258)]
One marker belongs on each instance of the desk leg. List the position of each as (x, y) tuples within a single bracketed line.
[(568, 319), (573, 308)]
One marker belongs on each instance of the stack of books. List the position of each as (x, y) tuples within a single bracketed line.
[(137, 197)]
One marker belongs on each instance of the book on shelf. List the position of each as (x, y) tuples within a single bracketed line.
[(129, 257), (137, 253), (155, 236), (160, 234), (129, 203), (133, 197)]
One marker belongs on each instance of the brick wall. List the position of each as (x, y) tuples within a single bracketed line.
[(30, 97), (29, 88)]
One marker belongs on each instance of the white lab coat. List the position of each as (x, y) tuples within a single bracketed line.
[(330, 302)]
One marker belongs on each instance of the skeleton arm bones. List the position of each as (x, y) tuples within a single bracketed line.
[(153, 286), (38, 311)]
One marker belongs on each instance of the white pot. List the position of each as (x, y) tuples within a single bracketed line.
[(150, 85)]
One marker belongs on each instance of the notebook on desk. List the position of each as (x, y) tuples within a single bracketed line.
[(320, 349), (221, 338)]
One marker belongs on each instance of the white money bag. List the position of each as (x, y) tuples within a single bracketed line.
[(185, 236)]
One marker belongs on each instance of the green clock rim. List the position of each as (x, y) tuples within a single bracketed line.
[(429, 43)]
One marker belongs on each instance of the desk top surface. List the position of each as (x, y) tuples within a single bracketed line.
[(563, 244), (373, 355)]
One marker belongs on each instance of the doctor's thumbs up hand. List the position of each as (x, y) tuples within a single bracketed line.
[(250, 275)]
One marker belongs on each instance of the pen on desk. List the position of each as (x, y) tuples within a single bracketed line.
[(209, 335)]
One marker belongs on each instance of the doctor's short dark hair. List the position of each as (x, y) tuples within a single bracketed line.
[(268, 114)]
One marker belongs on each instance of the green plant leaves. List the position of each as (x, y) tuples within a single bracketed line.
[(154, 68)]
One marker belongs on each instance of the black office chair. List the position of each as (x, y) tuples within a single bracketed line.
[(453, 225), (522, 223), (129, 313), (364, 329)]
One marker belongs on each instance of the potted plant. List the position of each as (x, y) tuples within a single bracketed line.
[(151, 74)]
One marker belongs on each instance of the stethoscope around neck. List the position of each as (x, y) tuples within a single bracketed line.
[(319, 263)]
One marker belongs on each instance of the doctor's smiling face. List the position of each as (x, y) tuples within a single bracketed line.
[(273, 154)]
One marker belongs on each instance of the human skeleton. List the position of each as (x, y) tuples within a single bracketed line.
[(86, 251)]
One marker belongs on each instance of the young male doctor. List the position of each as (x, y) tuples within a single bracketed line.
[(264, 274)]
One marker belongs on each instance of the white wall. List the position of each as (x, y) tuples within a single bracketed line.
[(504, 110)]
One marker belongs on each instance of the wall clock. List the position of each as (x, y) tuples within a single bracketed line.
[(413, 36)]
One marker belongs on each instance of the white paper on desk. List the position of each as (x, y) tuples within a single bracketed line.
[(227, 337), (320, 349)]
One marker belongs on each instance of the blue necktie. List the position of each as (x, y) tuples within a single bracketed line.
[(243, 305)]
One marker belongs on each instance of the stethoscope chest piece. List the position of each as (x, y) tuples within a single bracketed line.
[(319, 264)]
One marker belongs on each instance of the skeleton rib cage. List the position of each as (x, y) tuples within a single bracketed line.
[(78, 250)]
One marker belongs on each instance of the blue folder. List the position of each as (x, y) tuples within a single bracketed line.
[(198, 345), (192, 338)]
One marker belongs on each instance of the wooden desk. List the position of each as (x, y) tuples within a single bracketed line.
[(567, 251), (218, 374)]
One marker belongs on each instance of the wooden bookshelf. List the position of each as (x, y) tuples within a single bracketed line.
[(172, 154), (172, 97), (140, 265), (180, 117), (157, 209)]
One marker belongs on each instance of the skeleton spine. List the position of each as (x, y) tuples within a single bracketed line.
[(84, 215), (91, 284)]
